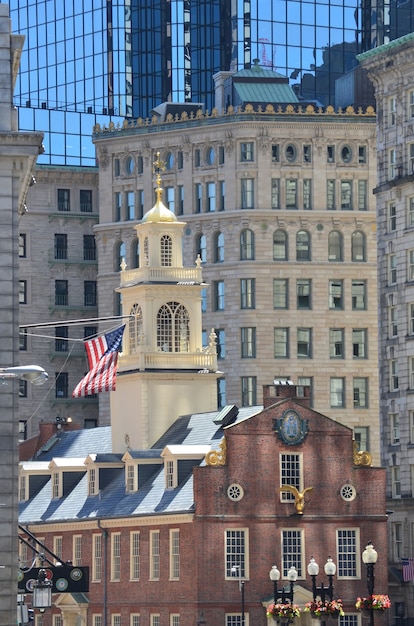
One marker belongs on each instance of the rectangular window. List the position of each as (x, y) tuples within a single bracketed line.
[(362, 154), (307, 194), (393, 370), (304, 343), (411, 372), (361, 434), (61, 246), (291, 193), (117, 167), (96, 558), (280, 293), (392, 163), (348, 553), (336, 343), (392, 103), (281, 343), (22, 388), (198, 198), (410, 216), (174, 619), (92, 482), (77, 550), (247, 193), (395, 482), (305, 381), (359, 343), (411, 158), (222, 195), (248, 343), (58, 547), (392, 269), (362, 195), (196, 157), (346, 195), (307, 154), (154, 619), (180, 201), (292, 551), (392, 217), (337, 392), (135, 619), (180, 160), (236, 553), (90, 295), (174, 554), (411, 104), (221, 393), (135, 556), (330, 154), (410, 264), (57, 620), (170, 474), (169, 195), (246, 151), (397, 541), (249, 390), (154, 555), (303, 293), (247, 293), (130, 204), (360, 386), (61, 292), (275, 153), (61, 385), (411, 318), (290, 474), (220, 343), (411, 420), (85, 200), (275, 193), (211, 197), (115, 556), (115, 619), (219, 295), (22, 292), (63, 199), (131, 478), (336, 299), (22, 246), (392, 322), (204, 300), (358, 295), (394, 420), (118, 206), (330, 195)]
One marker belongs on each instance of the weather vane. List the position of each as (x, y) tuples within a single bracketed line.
[(158, 167)]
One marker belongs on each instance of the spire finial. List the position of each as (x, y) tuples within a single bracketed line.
[(158, 167)]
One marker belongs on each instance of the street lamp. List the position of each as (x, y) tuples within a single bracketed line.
[(32, 373), (42, 591), (237, 569), (369, 557), (313, 571), (274, 576)]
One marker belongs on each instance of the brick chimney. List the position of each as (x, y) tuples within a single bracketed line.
[(284, 388)]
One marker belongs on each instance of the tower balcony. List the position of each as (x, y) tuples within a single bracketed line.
[(161, 275), (202, 360)]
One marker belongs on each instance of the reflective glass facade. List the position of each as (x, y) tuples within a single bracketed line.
[(85, 61)]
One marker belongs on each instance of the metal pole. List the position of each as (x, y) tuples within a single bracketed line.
[(242, 599), (370, 587)]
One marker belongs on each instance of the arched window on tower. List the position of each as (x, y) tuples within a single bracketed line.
[(120, 256), (135, 328), (201, 247), (146, 251), (173, 328), (166, 251)]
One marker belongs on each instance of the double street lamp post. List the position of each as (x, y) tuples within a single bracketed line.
[(284, 595), (369, 557), (313, 571)]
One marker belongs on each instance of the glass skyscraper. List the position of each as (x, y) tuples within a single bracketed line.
[(84, 62)]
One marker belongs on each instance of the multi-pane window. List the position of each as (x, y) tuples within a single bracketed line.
[(246, 151), (394, 420), (198, 198), (219, 295), (131, 478), (276, 153), (247, 293), (115, 619), (249, 390), (303, 293), (280, 246), (247, 193), (61, 246), (411, 372), (392, 322), (392, 163), (395, 482), (335, 246), (303, 248), (218, 248), (76, 550), (330, 195), (61, 338), (336, 294), (135, 555), (174, 554), (410, 214), (361, 434), (96, 620), (291, 193), (358, 295), (411, 158), (337, 392), (359, 343), (57, 620), (201, 248), (89, 248), (307, 154), (336, 343), (154, 554), (63, 199), (92, 481), (348, 553), (135, 619), (211, 197), (174, 619), (346, 195), (248, 342), (281, 341), (410, 264), (281, 293), (56, 482), (203, 300), (118, 206), (411, 104), (275, 193), (247, 245), (393, 373), (61, 384), (170, 474), (96, 557), (90, 293), (362, 195), (358, 246), (396, 541), (173, 328), (22, 246), (330, 154), (22, 291), (220, 343), (360, 389), (169, 195), (155, 617), (292, 551), (236, 553), (392, 216), (197, 158), (362, 154), (392, 269), (290, 474), (307, 194), (304, 343), (392, 104), (166, 251), (130, 205), (85, 200)]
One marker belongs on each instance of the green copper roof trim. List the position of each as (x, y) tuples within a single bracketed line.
[(385, 47)]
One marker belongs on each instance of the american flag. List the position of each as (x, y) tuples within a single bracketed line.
[(408, 569), (102, 353)]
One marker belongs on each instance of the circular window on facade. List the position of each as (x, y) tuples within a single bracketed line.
[(129, 165), (346, 154), (235, 492), (348, 492), (290, 153), (169, 160), (210, 156)]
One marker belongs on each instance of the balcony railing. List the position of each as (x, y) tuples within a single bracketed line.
[(169, 360), (87, 257), (161, 274)]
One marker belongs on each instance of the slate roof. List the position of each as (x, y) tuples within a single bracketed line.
[(151, 499)]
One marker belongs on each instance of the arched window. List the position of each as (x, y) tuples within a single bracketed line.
[(173, 328), (166, 251), (303, 249), (135, 328), (201, 248), (280, 246), (218, 248), (246, 245), (120, 256), (146, 251), (358, 247), (135, 253), (335, 246)]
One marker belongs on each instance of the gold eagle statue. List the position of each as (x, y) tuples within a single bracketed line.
[(299, 496)]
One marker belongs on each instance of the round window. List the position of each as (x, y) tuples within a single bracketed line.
[(235, 492), (210, 156), (346, 154), (290, 153), (129, 165), (348, 492), (169, 160)]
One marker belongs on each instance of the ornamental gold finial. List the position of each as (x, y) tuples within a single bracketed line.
[(362, 457), (299, 496), (158, 167), (216, 457)]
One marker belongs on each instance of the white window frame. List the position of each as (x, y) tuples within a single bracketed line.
[(292, 551), (352, 534), (134, 555), (115, 557), (135, 619), (394, 421), (291, 473), (174, 554), (410, 212), (395, 482), (174, 619), (392, 163), (171, 473), (396, 541), (131, 477), (116, 619), (392, 322), (93, 488), (155, 619), (236, 552), (96, 558), (392, 217), (56, 484), (392, 269), (96, 619), (393, 372), (410, 264), (337, 391), (77, 550), (155, 553)]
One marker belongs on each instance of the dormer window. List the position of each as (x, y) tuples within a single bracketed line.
[(170, 474), (92, 482), (56, 485), (22, 488), (131, 478)]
